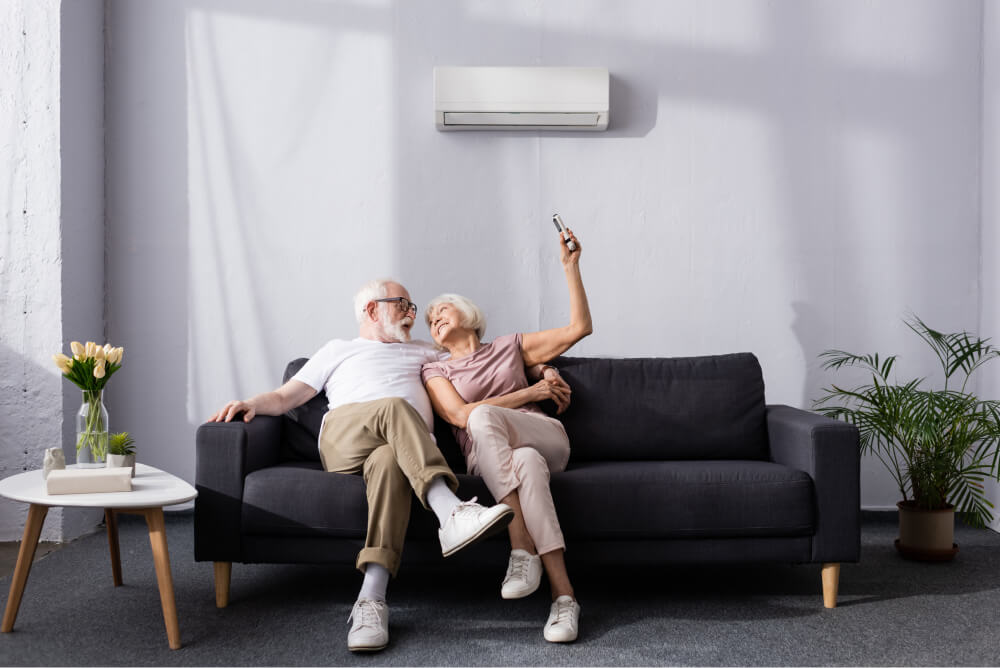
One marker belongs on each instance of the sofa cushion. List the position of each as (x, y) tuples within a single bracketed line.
[(665, 408), (301, 499), (652, 499), (595, 501)]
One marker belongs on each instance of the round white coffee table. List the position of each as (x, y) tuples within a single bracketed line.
[(151, 490)]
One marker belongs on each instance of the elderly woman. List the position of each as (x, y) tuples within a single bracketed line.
[(482, 390)]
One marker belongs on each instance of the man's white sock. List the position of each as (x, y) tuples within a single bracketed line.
[(376, 582), (441, 499)]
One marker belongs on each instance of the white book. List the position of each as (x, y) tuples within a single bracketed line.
[(88, 481)]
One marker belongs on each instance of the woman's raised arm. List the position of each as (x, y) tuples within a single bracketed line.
[(538, 347)]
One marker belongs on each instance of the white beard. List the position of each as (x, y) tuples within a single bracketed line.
[(394, 331)]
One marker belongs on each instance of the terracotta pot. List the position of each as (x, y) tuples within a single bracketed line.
[(926, 535)]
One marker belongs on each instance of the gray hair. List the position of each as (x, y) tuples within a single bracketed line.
[(370, 291), (472, 315)]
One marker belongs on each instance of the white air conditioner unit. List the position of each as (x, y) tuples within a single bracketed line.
[(521, 98)]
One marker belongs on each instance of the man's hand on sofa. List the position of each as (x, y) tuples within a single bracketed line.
[(292, 394), (232, 409)]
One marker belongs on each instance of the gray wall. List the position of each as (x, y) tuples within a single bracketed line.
[(781, 178), (990, 251), (82, 211)]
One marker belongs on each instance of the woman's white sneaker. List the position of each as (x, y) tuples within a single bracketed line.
[(564, 620), (524, 573)]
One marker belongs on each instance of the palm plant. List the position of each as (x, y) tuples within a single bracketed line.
[(939, 445)]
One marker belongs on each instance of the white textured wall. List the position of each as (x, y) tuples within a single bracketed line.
[(779, 177), (51, 248), (989, 383), (31, 410)]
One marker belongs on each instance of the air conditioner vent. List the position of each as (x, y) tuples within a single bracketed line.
[(521, 98)]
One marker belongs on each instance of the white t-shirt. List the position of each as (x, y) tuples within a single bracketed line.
[(365, 370)]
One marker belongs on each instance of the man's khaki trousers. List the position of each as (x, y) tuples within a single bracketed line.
[(387, 441)]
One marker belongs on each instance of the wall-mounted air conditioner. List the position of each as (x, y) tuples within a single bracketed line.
[(521, 98)]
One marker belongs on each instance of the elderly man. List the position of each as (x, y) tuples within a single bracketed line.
[(379, 424)]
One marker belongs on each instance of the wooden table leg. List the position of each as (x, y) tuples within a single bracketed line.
[(25, 557), (161, 558), (111, 520)]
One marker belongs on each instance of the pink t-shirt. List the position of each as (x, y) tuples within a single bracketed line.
[(495, 369)]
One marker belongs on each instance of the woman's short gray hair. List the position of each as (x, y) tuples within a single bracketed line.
[(370, 291), (472, 315)]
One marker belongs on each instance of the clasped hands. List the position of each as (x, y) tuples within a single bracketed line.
[(553, 387)]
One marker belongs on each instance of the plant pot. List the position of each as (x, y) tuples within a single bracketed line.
[(926, 535), (122, 461)]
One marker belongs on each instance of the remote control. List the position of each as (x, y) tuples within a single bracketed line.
[(557, 221)]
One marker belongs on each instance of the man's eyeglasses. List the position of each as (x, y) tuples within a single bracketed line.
[(404, 304)]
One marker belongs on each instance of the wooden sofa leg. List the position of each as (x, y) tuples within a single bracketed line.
[(223, 572), (831, 581)]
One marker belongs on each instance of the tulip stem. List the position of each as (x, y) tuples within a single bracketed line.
[(95, 433)]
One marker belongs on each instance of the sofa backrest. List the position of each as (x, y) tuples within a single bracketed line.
[(623, 409), (665, 408), (301, 429)]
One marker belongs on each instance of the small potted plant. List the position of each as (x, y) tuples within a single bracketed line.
[(121, 451), (940, 445)]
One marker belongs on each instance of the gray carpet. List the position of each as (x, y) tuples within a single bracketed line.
[(892, 612)]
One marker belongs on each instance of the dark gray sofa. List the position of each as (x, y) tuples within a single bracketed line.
[(673, 460)]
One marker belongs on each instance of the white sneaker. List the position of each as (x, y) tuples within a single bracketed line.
[(370, 631), (524, 573), (564, 619), (470, 522)]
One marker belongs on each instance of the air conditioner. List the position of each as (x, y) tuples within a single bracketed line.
[(521, 98)]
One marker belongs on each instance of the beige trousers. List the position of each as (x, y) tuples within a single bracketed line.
[(513, 450), (387, 441)]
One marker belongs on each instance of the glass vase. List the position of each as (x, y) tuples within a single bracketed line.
[(92, 431)]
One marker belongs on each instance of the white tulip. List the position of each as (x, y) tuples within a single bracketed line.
[(64, 363)]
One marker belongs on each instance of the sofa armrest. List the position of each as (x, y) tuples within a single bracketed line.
[(226, 452), (828, 451)]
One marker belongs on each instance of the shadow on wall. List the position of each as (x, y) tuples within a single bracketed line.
[(31, 416), (873, 185), (633, 113), (148, 295), (810, 325), (32, 419), (793, 82), (857, 154)]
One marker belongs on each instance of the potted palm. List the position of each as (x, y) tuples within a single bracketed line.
[(940, 445), (121, 451)]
